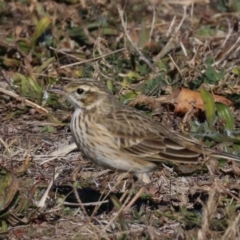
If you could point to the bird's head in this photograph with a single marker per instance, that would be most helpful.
(84, 93)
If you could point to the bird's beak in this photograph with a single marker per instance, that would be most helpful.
(58, 90)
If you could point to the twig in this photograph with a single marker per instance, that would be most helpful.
(228, 53)
(134, 199)
(28, 103)
(153, 23)
(124, 25)
(66, 53)
(5, 145)
(65, 150)
(209, 209)
(117, 214)
(86, 204)
(174, 63)
(61, 152)
(171, 44)
(233, 229)
(41, 203)
(92, 59)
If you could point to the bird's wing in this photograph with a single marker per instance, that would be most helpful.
(140, 136)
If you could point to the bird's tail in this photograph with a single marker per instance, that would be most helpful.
(195, 146)
(224, 155)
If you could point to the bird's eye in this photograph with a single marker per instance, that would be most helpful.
(80, 91)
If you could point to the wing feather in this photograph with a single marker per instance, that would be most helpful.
(141, 137)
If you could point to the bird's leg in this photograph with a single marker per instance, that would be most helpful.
(143, 177)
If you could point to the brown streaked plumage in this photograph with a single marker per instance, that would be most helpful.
(119, 137)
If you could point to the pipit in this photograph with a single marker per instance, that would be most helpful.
(122, 138)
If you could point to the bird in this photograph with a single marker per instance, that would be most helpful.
(119, 137)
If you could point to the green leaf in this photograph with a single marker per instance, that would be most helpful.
(29, 87)
(41, 27)
(236, 71)
(132, 77)
(8, 189)
(10, 62)
(209, 106)
(224, 112)
(143, 69)
(143, 36)
(78, 72)
(206, 31)
(236, 5)
(109, 31)
(128, 97)
(110, 85)
(161, 64)
(212, 76)
(44, 65)
(48, 129)
(24, 45)
(117, 204)
(209, 61)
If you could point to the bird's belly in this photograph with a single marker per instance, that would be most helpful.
(115, 160)
(109, 156)
(94, 143)
(98, 151)
(103, 149)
